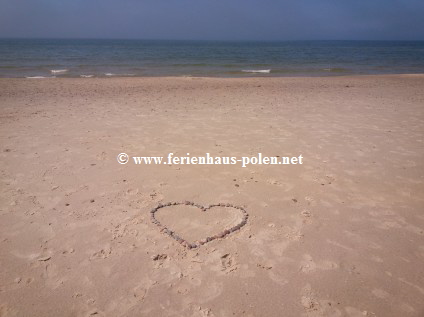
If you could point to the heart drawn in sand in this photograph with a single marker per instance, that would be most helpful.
(191, 245)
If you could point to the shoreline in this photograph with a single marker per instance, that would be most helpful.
(219, 77)
(222, 77)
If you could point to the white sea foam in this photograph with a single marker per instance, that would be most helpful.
(123, 75)
(86, 76)
(58, 71)
(256, 71)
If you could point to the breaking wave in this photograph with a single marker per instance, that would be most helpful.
(266, 71)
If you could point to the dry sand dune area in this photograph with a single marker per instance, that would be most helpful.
(341, 234)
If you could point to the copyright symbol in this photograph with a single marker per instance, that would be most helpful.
(123, 158)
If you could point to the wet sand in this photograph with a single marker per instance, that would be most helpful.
(340, 235)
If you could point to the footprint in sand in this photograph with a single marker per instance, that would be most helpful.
(102, 254)
(265, 266)
(307, 265)
(306, 217)
(380, 293)
(139, 293)
(326, 180)
(159, 260)
(294, 235)
(309, 302)
(202, 312)
(228, 263)
(51, 276)
(314, 307)
(102, 156)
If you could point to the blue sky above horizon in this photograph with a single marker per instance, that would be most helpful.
(214, 19)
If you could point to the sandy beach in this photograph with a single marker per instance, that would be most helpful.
(341, 234)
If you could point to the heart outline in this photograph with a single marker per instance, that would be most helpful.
(197, 244)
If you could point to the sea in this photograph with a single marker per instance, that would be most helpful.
(44, 58)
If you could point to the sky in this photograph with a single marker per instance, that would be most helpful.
(266, 20)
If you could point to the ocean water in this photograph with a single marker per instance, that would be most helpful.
(106, 58)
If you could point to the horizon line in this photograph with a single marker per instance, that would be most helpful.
(207, 40)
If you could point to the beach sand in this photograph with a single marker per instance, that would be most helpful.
(340, 235)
